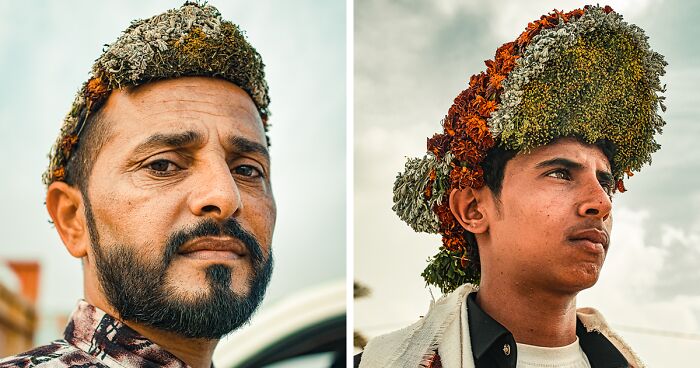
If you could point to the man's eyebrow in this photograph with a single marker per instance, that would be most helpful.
(244, 145)
(605, 175)
(573, 165)
(173, 140)
(562, 162)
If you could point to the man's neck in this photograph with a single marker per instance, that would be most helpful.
(534, 317)
(196, 353)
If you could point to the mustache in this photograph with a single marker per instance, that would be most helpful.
(209, 227)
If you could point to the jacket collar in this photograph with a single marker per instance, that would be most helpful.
(92, 330)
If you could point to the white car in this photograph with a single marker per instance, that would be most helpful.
(306, 329)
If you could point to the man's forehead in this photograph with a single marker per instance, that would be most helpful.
(181, 105)
(205, 90)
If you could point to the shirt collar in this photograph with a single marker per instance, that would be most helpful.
(101, 335)
(484, 331)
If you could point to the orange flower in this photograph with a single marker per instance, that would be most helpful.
(547, 21)
(428, 191)
(429, 187)
(484, 107)
(59, 174)
(462, 177)
(494, 85)
(477, 80)
(481, 135)
(465, 150)
(96, 88)
(67, 144)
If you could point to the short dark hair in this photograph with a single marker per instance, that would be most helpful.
(92, 138)
(494, 166)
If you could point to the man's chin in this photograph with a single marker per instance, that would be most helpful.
(210, 311)
(580, 280)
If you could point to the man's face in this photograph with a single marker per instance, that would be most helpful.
(551, 227)
(180, 208)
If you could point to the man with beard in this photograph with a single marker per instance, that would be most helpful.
(520, 184)
(160, 183)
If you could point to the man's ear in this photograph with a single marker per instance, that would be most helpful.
(465, 208)
(65, 206)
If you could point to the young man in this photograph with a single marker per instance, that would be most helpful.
(520, 184)
(159, 183)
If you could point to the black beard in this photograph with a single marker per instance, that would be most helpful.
(137, 291)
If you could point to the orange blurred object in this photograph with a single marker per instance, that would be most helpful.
(28, 273)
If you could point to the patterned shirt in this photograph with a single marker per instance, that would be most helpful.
(94, 339)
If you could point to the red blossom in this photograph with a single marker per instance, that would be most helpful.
(620, 185)
(439, 144)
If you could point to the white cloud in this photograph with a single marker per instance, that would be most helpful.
(633, 289)
(510, 20)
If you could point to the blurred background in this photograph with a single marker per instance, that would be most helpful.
(46, 51)
(413, 57)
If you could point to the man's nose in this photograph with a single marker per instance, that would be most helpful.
(596, 201)
(215, 192)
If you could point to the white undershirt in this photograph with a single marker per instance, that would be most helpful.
(570, 356)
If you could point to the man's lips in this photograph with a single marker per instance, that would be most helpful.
(214, 248)
(592, 239)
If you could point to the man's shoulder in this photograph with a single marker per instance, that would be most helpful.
(58, 354)
(412, 345)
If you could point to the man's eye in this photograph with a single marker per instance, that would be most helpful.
(247, 170)
(609, 188)
(560, 174)
(162, 166)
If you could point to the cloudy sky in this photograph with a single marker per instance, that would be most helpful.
(413, 57)
(46, 51)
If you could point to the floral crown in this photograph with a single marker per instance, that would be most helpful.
(585, 73)
(190, 41)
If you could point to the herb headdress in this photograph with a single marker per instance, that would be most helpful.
(190, 41)
(585, 73)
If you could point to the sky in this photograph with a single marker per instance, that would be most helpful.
(46, 51)
(413, 57)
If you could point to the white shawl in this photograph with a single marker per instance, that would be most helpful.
(445, 328)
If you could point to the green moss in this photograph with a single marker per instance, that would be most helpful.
(595, 90)
(446, 272)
